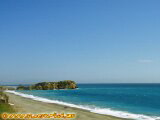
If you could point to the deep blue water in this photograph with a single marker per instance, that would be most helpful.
(133, 98)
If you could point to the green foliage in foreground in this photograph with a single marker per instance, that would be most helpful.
(4, 107)
(66, 84)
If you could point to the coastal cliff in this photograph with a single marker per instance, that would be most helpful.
(66, 84)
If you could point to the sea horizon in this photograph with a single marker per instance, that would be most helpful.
(77, 83)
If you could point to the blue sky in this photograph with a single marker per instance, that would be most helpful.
(89, 41)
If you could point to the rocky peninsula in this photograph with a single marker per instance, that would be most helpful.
(66, 84)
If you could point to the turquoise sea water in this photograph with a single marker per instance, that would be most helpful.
(128, 98)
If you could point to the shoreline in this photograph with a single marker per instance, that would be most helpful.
(100, 111)
(28, 105)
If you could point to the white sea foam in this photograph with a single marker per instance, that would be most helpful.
(105, 111)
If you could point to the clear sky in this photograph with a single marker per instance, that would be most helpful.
(89, 41)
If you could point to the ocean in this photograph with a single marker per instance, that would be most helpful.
(135, 101)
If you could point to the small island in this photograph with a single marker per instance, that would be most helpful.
(66, 84)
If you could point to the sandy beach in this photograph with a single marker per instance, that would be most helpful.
(27, 105)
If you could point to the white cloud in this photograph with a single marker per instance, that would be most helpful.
(145, 61)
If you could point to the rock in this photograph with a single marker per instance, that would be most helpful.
(66, 84)
(3, 98)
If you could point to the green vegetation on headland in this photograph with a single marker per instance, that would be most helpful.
(66, 84)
